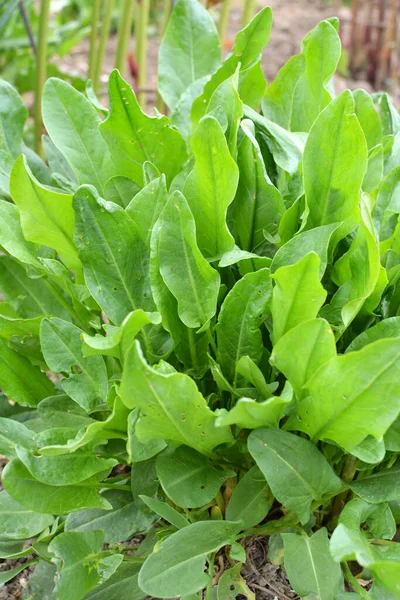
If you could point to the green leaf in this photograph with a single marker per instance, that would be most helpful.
(134, 138)
(258, 205)
(47, 217)
(146, 207)
(190, 49)
(64, 470)
(370, 122)
(12, 238)
(226, 106)
(310, 567)
(248, 44)
(232, 583)
(381, 486)
(9, 574)
(251, 499)
(188, 478)
(119, 524)
(82, 566)
(47, 499)
(334, 164)
(299, 92)
(103, 229)
(315, 240)
(62, 349)
(250, 414)
(192, 281)
(302, 350)
(172, 407)
(13, 115)
(388, 328)
(177, 568)
(249, 370)
(14, 434)
(298, 474)
(239, 321)
(30, 297)
(122, 585)
(120, 190)
(20, 380)
(40, 584)
(18, 522)
(165, 511)
(351, 384)
(73, 126)
(211, 186)
(297, 296)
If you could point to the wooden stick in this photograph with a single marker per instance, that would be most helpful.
(41, 71)
(124, 33)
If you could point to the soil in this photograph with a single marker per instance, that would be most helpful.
(292, 20)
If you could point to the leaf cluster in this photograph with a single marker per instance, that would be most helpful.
(200, 327)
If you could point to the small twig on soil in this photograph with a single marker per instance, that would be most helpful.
(256, 572)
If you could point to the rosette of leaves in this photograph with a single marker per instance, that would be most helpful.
(200, 331)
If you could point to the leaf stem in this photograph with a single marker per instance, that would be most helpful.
(348, 471)
(353, 582)
(141, 47)
(248, 12)
(93, 39)
(224, 18)
(124, 33)
(41, 71)
(104, 33)
(212, 341)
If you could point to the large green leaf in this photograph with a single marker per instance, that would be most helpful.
(310, 567)
(190, 49)
(47, 216)
(353, 384)
(250, 414)
(48, 499)
(12, 434)
(297, 296)
(122, 522)
(21, 381)
(188, 478)
(298, 474)
(302, 350)
(112, 254)
(211, 187)
(122, 585)
(134, 138)
(334, 164)
(381, 486)
(18, 522)
(172, 407)
(178, 565)
(242, 312)
(247, 47)
(186, 273)
(299, 92)
(13, 115)
(251, 499)
(73, 125)
(62, 349)
(82, 564)
(146, 207)
(11, 237)
(165, 511)
(258, 205)
(226, 106)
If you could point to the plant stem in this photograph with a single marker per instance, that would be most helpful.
(141, 47)
(212, 341)
(27, 25)
(167, 12)
(353, 582)
(248, 12)
(104, 33)
(41, 63)
(124, 33)
(93, 39)
(224, 18)
(347, 474)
